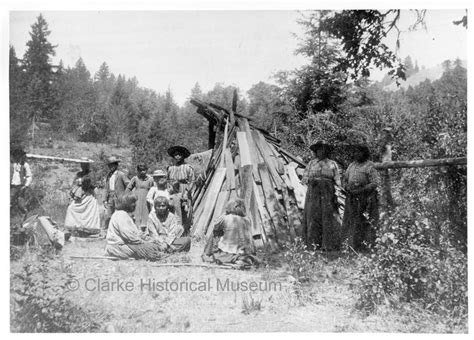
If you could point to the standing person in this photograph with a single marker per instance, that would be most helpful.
(115, 184)
(85, 169)
(159, 189)
(183, 174)
(21, 178)
(83, 212)
(140, 184)
(321, 226)
(124, 240)
(361, 207)
(163, 228)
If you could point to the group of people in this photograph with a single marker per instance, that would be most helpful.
(322, 226)
(149, 215)
(144, 216)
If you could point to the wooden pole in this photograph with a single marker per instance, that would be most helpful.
(58, 159)
(422, 163)
(212, 136)
(234, 108)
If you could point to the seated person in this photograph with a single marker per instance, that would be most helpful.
(231, 241)
(82, 214)
(124, 239)
(164, 229)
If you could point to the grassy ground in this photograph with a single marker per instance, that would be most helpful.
(326, 304)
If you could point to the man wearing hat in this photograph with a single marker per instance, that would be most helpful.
(20, 180)
(115, 184)
(182, 175)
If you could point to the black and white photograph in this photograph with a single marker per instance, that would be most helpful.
(224, 169)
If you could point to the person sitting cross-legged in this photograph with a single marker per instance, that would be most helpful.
(231, 242)
(163, 227)
(124, 239)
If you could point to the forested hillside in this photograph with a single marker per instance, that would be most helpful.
(422, 241)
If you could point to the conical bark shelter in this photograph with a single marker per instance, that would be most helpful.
(249, 164)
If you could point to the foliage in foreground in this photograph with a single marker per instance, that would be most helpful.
(39, 304)
(412, 262)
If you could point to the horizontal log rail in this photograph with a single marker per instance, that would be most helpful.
(57, 159)
(422, 163)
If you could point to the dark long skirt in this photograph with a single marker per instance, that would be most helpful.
(361, 217)
(320, 223)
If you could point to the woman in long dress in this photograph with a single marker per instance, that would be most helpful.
(321, 226)
(82, 214)
(139, 185)
(361, 211)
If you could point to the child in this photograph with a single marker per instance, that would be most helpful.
(160, 189)
(140, 185)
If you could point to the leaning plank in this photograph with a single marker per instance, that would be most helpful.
(230, 170)
(294, 158)
(298, 188)
(244, 125)
(269, 161)
(246, 187)
(245, 158)
(210, 201)
(293, 213)
(278, 159)
(274, 208)
(267, 227)
(286, 202)
(224, 143)
(203, 192)
(222, 199)
(422, 163)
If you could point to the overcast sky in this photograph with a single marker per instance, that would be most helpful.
(176, 49)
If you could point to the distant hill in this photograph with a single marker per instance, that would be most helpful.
(431, 73)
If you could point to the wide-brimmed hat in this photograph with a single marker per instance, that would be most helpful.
(113, 159)
(319, 144)
(159, 173)
(179, 149)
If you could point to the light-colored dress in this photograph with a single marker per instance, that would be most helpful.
(83, 212)
(153, 193)
(124, 240)
(168, 232)
(140, 188)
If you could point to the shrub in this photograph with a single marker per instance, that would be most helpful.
(39, 305)
(413, 262)
(249, 304)
(300, 260)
